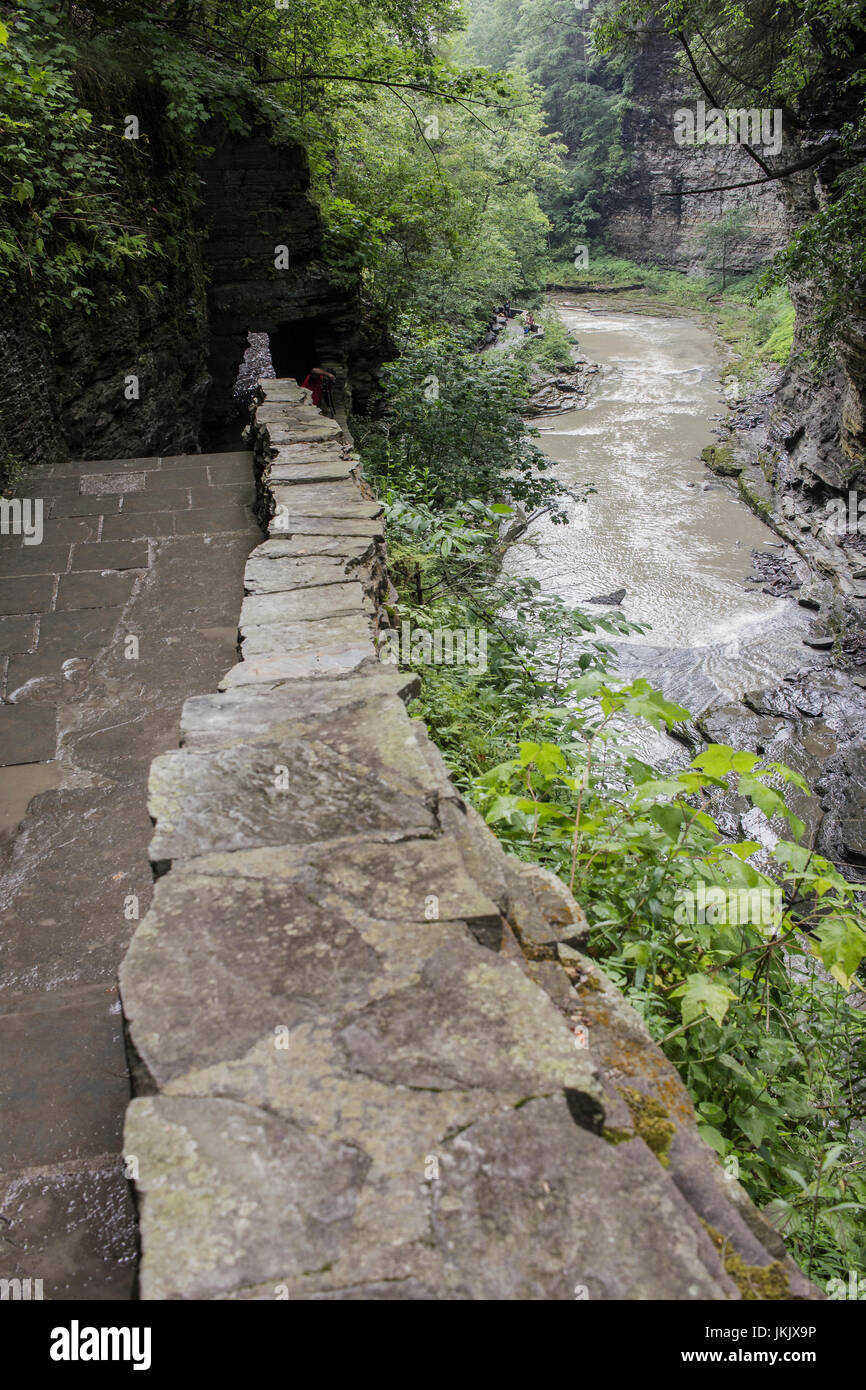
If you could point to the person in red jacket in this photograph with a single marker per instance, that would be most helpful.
(316, 380)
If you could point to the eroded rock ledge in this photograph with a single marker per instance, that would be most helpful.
(372, 1061)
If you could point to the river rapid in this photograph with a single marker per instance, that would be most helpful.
(659, 524)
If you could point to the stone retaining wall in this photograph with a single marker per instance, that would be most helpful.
(371, 1059)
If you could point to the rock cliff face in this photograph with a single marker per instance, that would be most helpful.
(66, 391)
(798, 450)
(808, 438)
(262, 249)
(641, 220)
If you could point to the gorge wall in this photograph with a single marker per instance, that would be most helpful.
(644, 217)
(798, 448)
(65, 373)
(371, 1059)
(178, 321)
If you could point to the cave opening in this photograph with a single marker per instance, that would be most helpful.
(295, 348)
(291, 349)
(223, 434)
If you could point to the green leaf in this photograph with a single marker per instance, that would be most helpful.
(715, 1140)
(669, 819)
(703, 995)
(841, 946)
(716, 760)
(754, 1125)
(638, 951)
(743, 849)
(768, 801)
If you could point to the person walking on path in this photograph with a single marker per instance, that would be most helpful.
(316, 381)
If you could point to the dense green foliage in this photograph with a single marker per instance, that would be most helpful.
(427, 171)
(435, 206)
(63, 199)
(584, 94)
(452, 428)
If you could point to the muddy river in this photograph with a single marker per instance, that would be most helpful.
(659, 524)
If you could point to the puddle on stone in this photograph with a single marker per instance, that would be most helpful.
(18, 786)
(227, 635)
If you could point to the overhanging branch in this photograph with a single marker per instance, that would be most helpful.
(826, 150)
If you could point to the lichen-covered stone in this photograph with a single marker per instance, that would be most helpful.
(324, 470)
(291, 708)
(337, 501)
(352, 549)
(287, 523)
(283, 390)
(264, 575)
(273, 935)
(241, 1196)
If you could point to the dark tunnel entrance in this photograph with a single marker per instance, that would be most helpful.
(296, 347)
(292, 349)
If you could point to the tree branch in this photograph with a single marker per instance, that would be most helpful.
(830, 148)
(418, 127)
(387, 82)
(681, 38)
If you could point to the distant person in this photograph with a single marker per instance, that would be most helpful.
(529, 324)
(316, 380)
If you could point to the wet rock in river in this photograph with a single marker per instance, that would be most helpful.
(556, 392)
(613, 599)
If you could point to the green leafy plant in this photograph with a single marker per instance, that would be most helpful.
(451, 425)
(740, 971)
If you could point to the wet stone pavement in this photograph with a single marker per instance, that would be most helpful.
(128, 606)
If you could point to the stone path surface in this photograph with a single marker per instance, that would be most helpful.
(128, 606)
(372, 1061)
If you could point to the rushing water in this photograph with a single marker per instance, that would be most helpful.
(659, 524)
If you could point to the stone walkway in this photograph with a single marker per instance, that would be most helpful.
(127, 606)
(373, 1062)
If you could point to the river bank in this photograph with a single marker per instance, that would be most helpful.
(747, 627)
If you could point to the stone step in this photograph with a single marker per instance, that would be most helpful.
(303, 605)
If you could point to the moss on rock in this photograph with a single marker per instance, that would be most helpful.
(651, 1120)
(755, 1282)
(720, 458)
